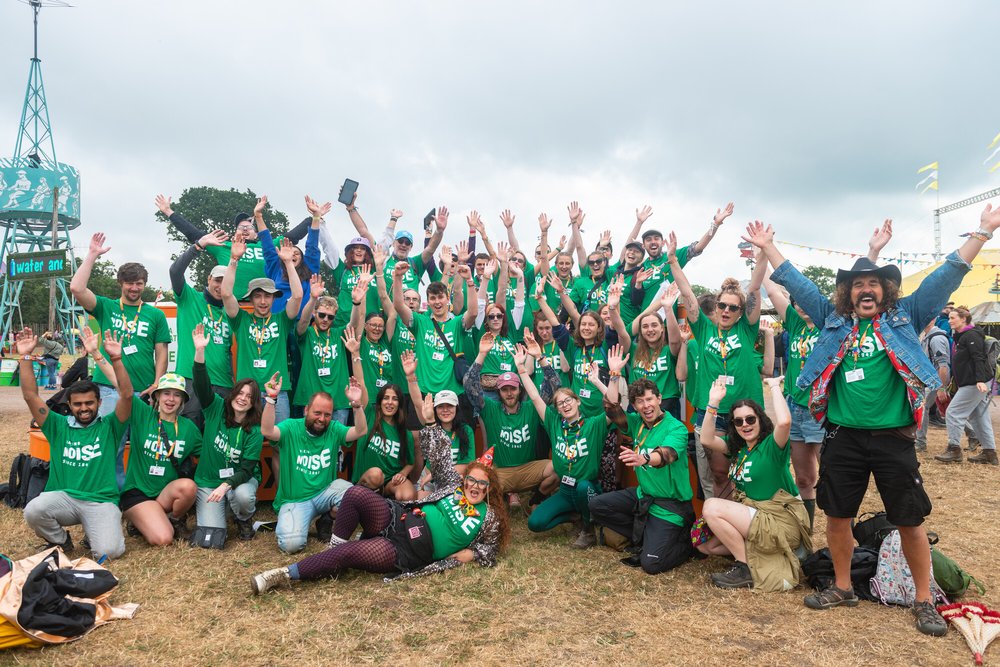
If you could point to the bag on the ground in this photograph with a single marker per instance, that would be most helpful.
(818, 570)
(893, 580)
(208, 537)
(871, 529)
(28, 476)
(952, 579)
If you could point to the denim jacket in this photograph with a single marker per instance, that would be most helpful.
(901, 326)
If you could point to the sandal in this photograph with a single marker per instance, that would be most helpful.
(831, 597)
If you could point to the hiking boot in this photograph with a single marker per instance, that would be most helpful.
(324, 527)
(937, 423)
(131, 530)
(66, 545)
(586, 538)
(951, 455)
(986, 456)
(831, 597)
(246, 528)
(632, 561)
(738, 576)
(265, 581)
(929, 621)
(179, 524)
(920, 446)
(972, 445)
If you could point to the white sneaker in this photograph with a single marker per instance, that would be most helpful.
(265, 581)
(335, 541)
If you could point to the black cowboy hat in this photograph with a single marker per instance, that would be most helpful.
(865, 265)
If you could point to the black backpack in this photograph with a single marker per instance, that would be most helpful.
(28, 476)
(818, 570)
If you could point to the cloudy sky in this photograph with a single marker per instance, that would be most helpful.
(811, 116)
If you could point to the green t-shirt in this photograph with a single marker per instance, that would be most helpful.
(552, 297)
(588, 295)
(82, 459)
(661, 273)
(435, 367)
(377, 364)
(514, 436)
(324, 367)
(412, 278)
(729, 354)
(250, 266)
(591, 399)
(402, 341)
(261, 346)
(451, 529)
(344, 299)
(867, 392)
(576, 448)
(661, 370)
(308, 463)
(192, 310)
(500, 358)
(140, 328)
(761, 471)
(456, 446)
(383, 451)
(672, 480)
(224, 449)
(551, 352)
(801, 340)
(149, 466)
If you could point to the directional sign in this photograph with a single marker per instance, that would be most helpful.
(43, 264)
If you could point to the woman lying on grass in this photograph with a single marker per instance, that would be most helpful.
(465, 520)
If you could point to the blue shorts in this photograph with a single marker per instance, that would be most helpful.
(721, 420)
(805, 428)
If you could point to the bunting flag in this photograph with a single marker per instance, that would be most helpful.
(995, 155)
(904, 258)
(930, 179)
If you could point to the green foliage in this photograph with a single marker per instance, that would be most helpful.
(210, 208)
(700, 290)
(824, 278)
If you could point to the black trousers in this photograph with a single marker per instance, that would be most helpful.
(664, 545)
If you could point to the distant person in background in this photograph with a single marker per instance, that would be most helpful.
(52, 349)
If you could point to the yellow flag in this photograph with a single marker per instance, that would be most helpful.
(932, 186)
(932, 165)
(996, 140)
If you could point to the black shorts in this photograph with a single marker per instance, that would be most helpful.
(848, 458)
(410, 535)
(131, 498)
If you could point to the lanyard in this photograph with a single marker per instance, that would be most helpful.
(326, 340)
(571, 428)
(734, 471)
(228, 451)
(859, 341)
(640, 440)
(803, 344)
(259, 338)
(160, 433)
(589, 358)
(378, 348)
(211, 315)
(135, 322)
(723, 351)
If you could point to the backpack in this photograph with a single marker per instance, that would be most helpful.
(871, 529)
(993, 355)
(952, 579)
(818, 570)
(28, 476)
(893, 580)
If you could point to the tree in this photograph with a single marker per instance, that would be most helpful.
(700, 290)
(825, 278)
(210, 208)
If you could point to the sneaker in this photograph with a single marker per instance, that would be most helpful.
(324, 527)
(586, 538)
(335, 541)
(929, 621)
(131, 530)
(920, 446)
(180, 526)
(737, 576)
(632, 561)
(265, 581)
(66, 545)
(246, 528)
(831, 597)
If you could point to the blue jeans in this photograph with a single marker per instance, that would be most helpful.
(242, 501)
(52, 366)
(341, 415)
(805, 428)
(294, 518)
(109, 398)
(282, 409)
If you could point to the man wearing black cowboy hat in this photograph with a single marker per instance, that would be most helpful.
(867, 377)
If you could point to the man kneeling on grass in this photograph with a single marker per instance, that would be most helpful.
(307, 483)
(82, 488)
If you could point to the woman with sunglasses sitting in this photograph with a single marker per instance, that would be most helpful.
(725, 350)
(465, 520)
(769, 522)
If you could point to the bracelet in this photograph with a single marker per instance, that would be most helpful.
(352, 210)
(986, 233)
(356, 303)
(355, 406)
(616, 374)
(646, 456)
(711, 407)
(356, 359)
(198, 246)
(272, 401)
(26, 357)
(393, 219)
(114, 359)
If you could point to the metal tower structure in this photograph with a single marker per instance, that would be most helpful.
(39, 205)
(968, 201)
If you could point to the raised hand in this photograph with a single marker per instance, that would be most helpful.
(272, 387)
(507, 218)
(239, 245)
(27, 341)
(514, 271)
(258, 209)
(605, 238)
(773, 383)
(490, 268)
(520, 355)
(354, 199)
(427, 409)
(615, 293)
(112, 343)
(351, 341)
(881, 236)
(759, 234)
(462, 250)
(617, 359)
(400, 270)
(199, 338)
(395, 213)
(353, 391)
(990, 218)
(575, 213)
(446, 253)
(316, 209)
(531, 345)
(475, 222)
(630, 457)
(408, 361)
(562, 242)
(540, 289)
(556, 284)
(670, 296)
(486, 342)
(215, 237)
(722, 213)
(642, 275)
(594, 372)
(97, 247)
(380, 256)
(90, 341)
(442, 218)
(316, 285)
(671, 246)
(464, 271)
(642, 215)
(544, 222)
(360, 289)
(286, 253)
(503, 251)
(717, 392)
(163, 203)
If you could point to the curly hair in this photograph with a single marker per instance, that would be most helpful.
(734, 441)
(842, 297)
(496, 500)
(732, 286)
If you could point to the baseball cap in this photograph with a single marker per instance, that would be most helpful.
(636, 245)
(218, 271)
(652, 232)
(403, 234)
(446, 397)
(508, 380)
(264, 284)
(240, 217)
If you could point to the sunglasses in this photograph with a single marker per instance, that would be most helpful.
(595, 262)
(731, 307)
(481, 483)
(324, 316)
(404, 241)
(495, 316)
(750, 420)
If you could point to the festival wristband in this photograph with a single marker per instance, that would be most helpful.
(114, 359)
(271, 399)
(711, 407)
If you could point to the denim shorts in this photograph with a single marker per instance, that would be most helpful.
(721, 420)
(805, 428)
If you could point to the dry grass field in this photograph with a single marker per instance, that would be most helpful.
(544, 604)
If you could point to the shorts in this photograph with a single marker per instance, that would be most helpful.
(805, 428)
(131, 498)
(849, 456)
(721, 420)
(411, 537)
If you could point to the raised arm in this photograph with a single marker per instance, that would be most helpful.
(720, 216)
(472, 311)
(78, 285)
(880, 238)
(576, 217)
(440, 224)
(92, 344)
(641, 216)
(190, 232)
(357, 220)
(201, 381)
(529, 385)
(268, 429)
(543, 242)
(503, 254)
(287, 255)
(507, 218)
(777, 296)
(316, 290)
(472, 382)
(272, 263)
(476, 222)
(113, 346)
(358, 398)
(709, 439)
(359, 298)
(767, 363)
(782, 417)
(239, 246)
(409, 363)
(667, 300)
(316, 211)
(614, 303)
(753, 290)
(690, 300)
(24, 346)
(403, 311)
(543, 305)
